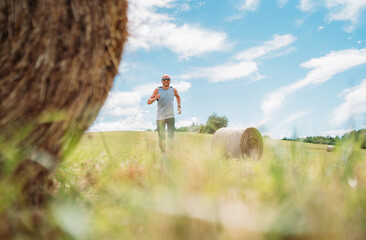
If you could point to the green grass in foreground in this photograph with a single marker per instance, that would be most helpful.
(117, 185)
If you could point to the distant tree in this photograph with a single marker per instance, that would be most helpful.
(213, 123)
(202, 128)
(321, 140)
(349, 135)
(288, 139)
(194, 128)
(358, 136)
(316, 140)
(181, 129)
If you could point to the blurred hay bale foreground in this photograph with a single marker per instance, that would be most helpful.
(238, 143)
(58, 60)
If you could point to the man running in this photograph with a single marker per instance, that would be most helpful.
(165, 114)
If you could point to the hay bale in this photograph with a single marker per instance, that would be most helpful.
(58, 60)
(330, 148)
(238, 143)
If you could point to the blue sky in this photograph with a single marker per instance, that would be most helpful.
(295, 67)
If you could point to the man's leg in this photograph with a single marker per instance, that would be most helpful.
(171, 123)
(161, 132)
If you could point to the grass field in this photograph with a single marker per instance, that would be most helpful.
(117, 185)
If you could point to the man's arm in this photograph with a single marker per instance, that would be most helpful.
(154, 96)
(178, 100)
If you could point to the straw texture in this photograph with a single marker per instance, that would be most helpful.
(238, 143)
(58, 60)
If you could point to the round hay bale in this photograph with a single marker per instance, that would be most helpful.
(238, 143)
(330, 148)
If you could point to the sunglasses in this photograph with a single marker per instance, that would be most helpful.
(165, 79)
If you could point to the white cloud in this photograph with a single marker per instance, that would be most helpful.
(295, 116)
(184, 7)
(149, 28)
(116, 99)
(338, 10)
(273, 101)
(320, 28)
(299, 22)
(282, 3)
(244, 64)
(119, 111)
(354, 104)
(250, 5)
(187, 122)
(306, 5)
(345, 10)
(125, 67)
(200, 4)
(154, 3)
(182, 86)
(349, 28)
(278, 42)
(135, 122)
(146, 89)
(277, 54)
(260, 123)
(225, 72)
(121, 104)
(324, 68)
(188, 5)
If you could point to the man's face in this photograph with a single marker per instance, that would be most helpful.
(165, 82)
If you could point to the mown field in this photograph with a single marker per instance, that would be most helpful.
(117, 185)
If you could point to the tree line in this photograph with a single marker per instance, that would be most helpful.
(357, 136)
(214, 122)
